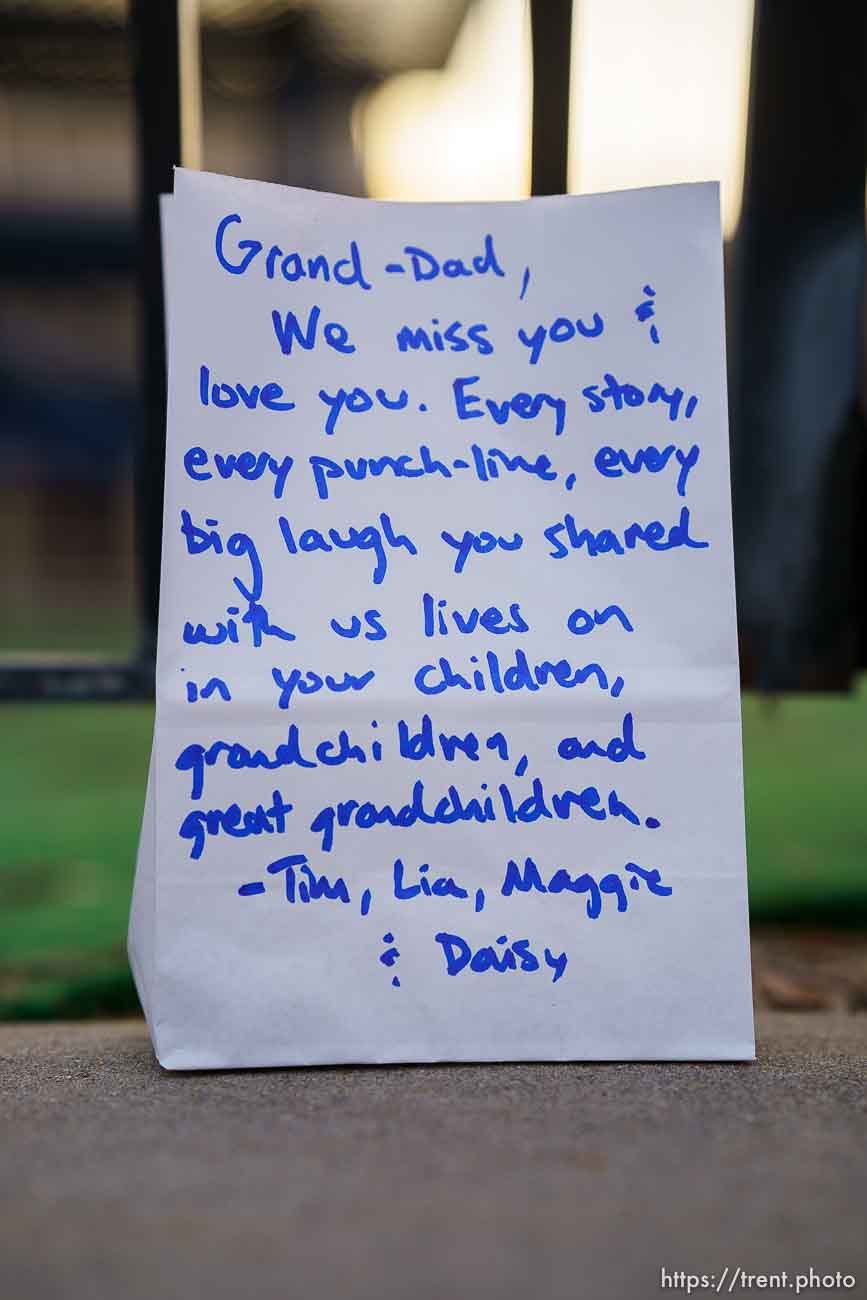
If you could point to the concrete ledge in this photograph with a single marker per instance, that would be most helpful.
(119, 1180)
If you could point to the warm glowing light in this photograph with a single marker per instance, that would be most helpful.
(659, 94)
(463, 133)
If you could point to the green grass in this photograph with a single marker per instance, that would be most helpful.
(111, 633)
(73, 780)
(805, 765)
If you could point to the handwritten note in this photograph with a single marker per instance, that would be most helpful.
(446, 762)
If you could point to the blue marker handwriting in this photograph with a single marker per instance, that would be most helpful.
(516, 956)
(562, 330)
(249, 465)
(528, 879)
(307, 682)
(479, 544)
(289, 330)
(358, 401)
(618, 749)
(255, 617)
(423, 742)
(520, 675)
(453, 806)
(423, 265)
(421, 433)
(201, 539)
(303, 885)
(646, 310)
(239, 823)
(618, 396)
(414, 740)
(439, 620)
(487, 464)
(581, 621)
(566, 536)
(368, 537)
(451, 338)
(524, 406)
(225, 396)
(237, 255)
(613, 462)
(351, 631)
(196, 758)
(424, 886)
(213, 686)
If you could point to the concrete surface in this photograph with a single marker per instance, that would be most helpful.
(118, 1180)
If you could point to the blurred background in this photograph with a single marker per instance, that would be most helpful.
(420, 100)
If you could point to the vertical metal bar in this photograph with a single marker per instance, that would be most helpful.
(154, 25)
(799, 258)
(551, 28)
(190, 53)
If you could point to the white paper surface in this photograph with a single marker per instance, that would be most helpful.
(588, 669)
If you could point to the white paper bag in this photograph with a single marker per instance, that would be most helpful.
(446, 763)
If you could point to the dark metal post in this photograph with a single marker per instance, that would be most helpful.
(158, 122)
(551, 26)
(798, 439)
